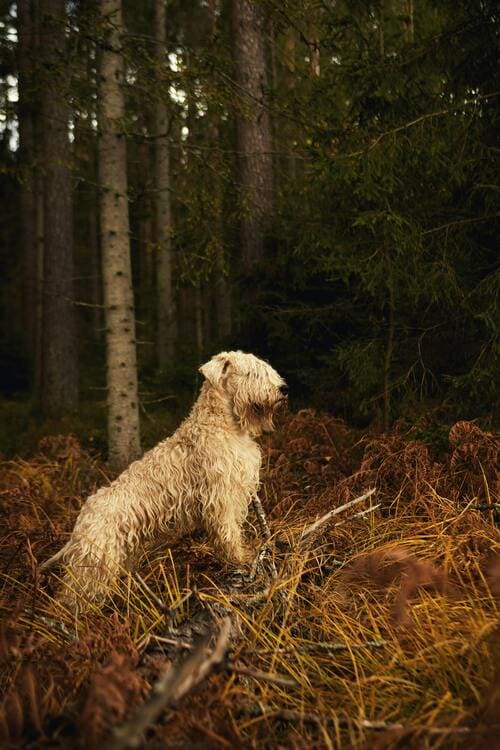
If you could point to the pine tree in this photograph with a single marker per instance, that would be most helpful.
(166, 316)
(59, 391)
(254, 163)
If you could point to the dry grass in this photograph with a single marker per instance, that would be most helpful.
(386, 617)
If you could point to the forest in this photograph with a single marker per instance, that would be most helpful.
(314, 182)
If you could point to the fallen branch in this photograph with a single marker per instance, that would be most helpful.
(332, 647)
(275, 679)
(313, 526)
(261, 517)
(324, 646)
(346, 721)
(266, 532)
(231, 668)
(177, 643)
(171, 687)
(286, 714)
(366, 511)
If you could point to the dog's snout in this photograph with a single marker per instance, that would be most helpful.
(284, 390)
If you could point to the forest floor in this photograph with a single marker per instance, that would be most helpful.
(377, 628)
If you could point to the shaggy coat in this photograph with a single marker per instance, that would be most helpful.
(202, 477)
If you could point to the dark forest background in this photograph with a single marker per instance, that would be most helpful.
(322, 178)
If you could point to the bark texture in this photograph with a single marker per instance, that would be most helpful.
(221, 287)
(255, 167)
(221, 290)
(165, 310)
(59, 392)
(27, 192)
(123, 412)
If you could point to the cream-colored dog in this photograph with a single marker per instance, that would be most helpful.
(202, 477)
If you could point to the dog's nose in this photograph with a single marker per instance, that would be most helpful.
(284, 390)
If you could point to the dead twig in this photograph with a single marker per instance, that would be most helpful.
(173, 609)
(56, 627)
(346, 721)
(150, 592)
(266, 532)
(176, 642)
(256, 674)
(324, 646)
(261, 517)
(331, 513)
(171, 687)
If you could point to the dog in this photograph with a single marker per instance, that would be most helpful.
(203, 477)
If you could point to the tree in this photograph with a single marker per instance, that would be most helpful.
(387, 257)
(27, 187)
(59, 392)
(123, 411)
(166, 321)
(255, 170)
(221, 288)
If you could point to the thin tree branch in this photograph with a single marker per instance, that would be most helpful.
(313, 526)
(256, 674)
(346, 721)
(171, 687)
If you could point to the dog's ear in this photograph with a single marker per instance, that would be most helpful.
(216, 368)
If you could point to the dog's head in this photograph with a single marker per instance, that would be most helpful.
(253, 388)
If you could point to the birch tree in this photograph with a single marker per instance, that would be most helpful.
(121, 365)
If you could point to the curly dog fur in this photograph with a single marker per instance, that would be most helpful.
(202, 477)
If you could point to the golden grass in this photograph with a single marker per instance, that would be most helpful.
(391, 617)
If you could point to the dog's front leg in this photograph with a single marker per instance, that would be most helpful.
(226, 534)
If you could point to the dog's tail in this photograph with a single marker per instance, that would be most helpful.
(52, 560)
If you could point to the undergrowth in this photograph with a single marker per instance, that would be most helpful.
(390, 616)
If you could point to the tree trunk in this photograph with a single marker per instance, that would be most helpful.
(409, 22)
(198, 317)
(38, 356)
(123, 412)
(314, 50)
(381, 34)
(59, 349)
(389, 348)
(27, 140)
(166, 323)
(289, 54)
(221, 291)
(255, 171)
(95, 270)
(220, 281)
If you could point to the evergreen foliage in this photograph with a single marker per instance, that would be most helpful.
(378, 294)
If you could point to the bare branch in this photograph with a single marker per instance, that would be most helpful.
(171, 687)
(347, 721)
(261, 516)
(313, 526)
(159, 603)
(275, 679)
